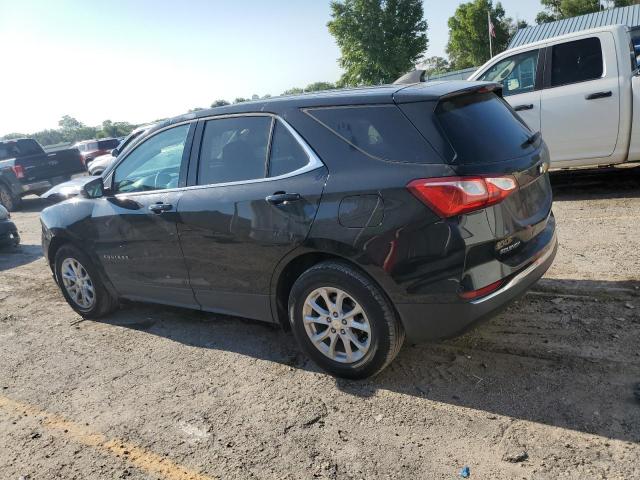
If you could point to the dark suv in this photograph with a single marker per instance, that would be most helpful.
(355, 217)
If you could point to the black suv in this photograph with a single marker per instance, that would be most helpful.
(355, 217)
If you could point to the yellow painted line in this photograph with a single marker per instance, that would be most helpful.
(137, 456)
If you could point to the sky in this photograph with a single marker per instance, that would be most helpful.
(140, 60)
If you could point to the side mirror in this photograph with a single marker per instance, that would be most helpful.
(115, 152)
(93, 189)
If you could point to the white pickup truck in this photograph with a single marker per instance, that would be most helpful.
(581, 90)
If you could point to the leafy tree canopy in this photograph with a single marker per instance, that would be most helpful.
(559, 9)
(72, 130)
(379, 40)
(469, 33)
(219, 103)
(434, 66)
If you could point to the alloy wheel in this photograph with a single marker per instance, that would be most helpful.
(78, 284)
(336, 324)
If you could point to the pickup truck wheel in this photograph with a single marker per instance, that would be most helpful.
(81, 284)
(344, 321)
(8, 200)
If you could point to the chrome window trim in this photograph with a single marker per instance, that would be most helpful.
(313, 163)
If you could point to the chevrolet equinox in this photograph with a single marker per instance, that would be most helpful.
(355, 217)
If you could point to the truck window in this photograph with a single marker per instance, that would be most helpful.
(19, 148)
(29, 147)
(577, 61)
(517, 73)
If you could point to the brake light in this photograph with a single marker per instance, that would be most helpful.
(451, 196)
(18, 171)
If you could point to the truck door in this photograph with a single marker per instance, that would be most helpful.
(580, 101)
(521, 78)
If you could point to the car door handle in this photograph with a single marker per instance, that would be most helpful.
(160, 207)
(279, 198)
(594, 96)
(524, 107)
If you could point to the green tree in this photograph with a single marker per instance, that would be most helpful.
(319, 86)
(434, 66)
(241, 100)
(13, 136)
(379, 40)
(69, 123)
(620, 3)
(469, 33)
(293, 91)
(219, 103)
(559, 9)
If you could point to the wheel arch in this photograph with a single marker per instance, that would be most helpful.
(290, 270)
(59, 241)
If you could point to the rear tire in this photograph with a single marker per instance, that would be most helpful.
(8, 200)
(81, 284)
(343, 321)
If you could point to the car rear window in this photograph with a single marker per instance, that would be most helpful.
(482, 128)
(380, 131)
(106, 144)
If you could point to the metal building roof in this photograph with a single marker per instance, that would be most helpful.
(629, 16)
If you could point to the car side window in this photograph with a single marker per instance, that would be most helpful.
(154, 164)
(287, 155)
(576, 61)
(234, 149)
(517, 73)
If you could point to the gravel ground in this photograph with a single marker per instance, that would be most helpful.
(545, 390)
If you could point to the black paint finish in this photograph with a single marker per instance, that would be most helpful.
(228, 248)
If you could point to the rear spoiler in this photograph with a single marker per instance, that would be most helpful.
(443, 90)
(486, 88)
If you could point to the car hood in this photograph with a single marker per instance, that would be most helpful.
(68, 189)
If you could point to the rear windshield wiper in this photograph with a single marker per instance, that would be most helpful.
(531, 140)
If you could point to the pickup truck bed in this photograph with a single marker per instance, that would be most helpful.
(25, 168)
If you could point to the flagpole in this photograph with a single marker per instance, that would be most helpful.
(489, 29)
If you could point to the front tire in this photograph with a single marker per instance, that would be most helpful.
(81, 284)
(343, 321)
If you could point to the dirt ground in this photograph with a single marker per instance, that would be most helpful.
(545, 390)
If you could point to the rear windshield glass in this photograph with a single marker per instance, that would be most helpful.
(482, 128)
(105, 144)
(380, 131)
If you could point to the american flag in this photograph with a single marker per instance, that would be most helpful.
(492, 29)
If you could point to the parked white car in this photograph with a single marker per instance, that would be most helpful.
(581, 90)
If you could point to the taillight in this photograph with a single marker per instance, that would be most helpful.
(18, 171)
(451, 196)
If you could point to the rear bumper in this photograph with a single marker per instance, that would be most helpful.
(434, 321)
(8, 233)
